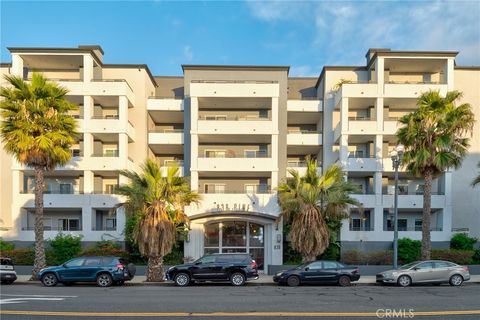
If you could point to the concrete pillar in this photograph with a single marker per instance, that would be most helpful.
(121, 220)
(449, 76)
(275, 160)
(87, 144)
(88, 181)
(380, 74)
(123, 110)
(17, 187)
(378, 150)
(379, 113)
(344, 114)
(87, 109)
(87, 68)
(122, 145)
(344, 150)
(194, 114)
(377, 187)
(275, 114)
(17, 65)
(87, 217)
(378, 219)
(194, 180)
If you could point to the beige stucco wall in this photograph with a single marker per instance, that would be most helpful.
(466, 200)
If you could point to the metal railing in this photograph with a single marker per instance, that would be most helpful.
(46, 228)
(173, 163)
(57, 192)
(299, 163)
(352, 228)
(234, 81)
(295, 131)
(410, 193)
(106, 155)
(355, 155)
(166, 97)
(360, 118)
(230, 154)
(232, 118)
(259, 189)
(107, 117)
(412, 82)
(166, 131)
(412, 229)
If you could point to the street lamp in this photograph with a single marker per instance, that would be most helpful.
(396, 156)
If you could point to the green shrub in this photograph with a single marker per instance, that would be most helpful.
(476, 257)
(409, 250)
(331, 253)
(461, 241)
(64, 247)
(6, 245)
(105, 248)
(353, 257)
(175, 256)
(457, 256)
(379, 257)
(21, 256)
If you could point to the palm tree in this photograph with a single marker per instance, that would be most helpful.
(477, 179)
(38, 131)
(435, 139)
(158, 202)
(310, 201)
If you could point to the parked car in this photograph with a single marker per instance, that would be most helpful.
(234, 267)
(430, 271)
(7, 271)
(105, 271)
(318, 272)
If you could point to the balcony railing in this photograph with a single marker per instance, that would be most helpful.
(107, 117)
(52, 192)
(360, 118)
(411, 229)
(233, 118)
(227, 154)
(173, 163)
(360, 155)
(295, 131)
(48, 228)
(166, 97)
(113, 153)
(233, 81)
(412, 82)
(410, 193)
(295, 163)
(166, 131)
(352, 228)
(260, 189)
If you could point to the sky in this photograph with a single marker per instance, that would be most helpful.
(305, 35)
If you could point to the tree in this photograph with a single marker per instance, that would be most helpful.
(435, 139)
(158, 202)
(38, 131)
(477, 179)
(309, 202)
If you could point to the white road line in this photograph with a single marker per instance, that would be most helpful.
(21, 300)
(37, 295)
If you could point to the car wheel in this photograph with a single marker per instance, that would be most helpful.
(182, 279)
(344, 281)
(7, 282)
(49, 280)
(104, 280)
(293, 281)
(456, 280)
(237, 279)
(404, 281)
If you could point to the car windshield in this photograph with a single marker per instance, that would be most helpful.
(408, 265)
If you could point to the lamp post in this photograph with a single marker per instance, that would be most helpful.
(396, 156)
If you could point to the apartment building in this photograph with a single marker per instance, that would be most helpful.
(234, 130)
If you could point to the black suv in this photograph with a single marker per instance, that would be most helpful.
(234, 267)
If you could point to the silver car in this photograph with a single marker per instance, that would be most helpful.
(430, 271)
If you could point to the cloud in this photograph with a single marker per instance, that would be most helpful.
(187, 53)
(344, 30)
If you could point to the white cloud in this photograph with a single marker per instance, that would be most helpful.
(187, 53)
(344, 30)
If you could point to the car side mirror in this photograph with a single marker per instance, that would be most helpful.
(64, 265)
(307, 268)
(416, 268)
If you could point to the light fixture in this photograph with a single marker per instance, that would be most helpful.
(279, 238)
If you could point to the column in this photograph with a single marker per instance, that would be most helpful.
(344, 114)
(88, 181)
(449, 76)
(123, 110)
(17, 65)
(17, 187)
(122, 145)
(379, 151)
(275, 164)
(87, 109)
(380, 74)
(377, 180)
(275, 114)
(87, 217)
(193, 160)
(344, 150)
(194, 114)
(87, 68)
(87, 144)
(379, 113)
(120, 219)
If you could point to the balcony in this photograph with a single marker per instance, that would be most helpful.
(166, 136)
(356, 90)
(361, 126)
(107, 125)
(173, 163)
(235, 164)
(412, 201)
(236, 202)
(257, 126)
(76, 200)
(301, 167)
(304, 105)
(103, 87)
(251, 189)
(164, 104)
(411, 90)
(306, 138)
(234, 89)
(362, 164)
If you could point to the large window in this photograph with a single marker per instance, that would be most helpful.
(236, 237)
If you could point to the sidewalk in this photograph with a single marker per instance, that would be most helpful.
(263, 280)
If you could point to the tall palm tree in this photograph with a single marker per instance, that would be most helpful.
(38, 131)
(435, 139)
(477, 179)
(310, 201)
(158, 201)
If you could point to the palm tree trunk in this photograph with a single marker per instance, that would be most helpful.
(155, 269)
(39, 262)
(427, 203)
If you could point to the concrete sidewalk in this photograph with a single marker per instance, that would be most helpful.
(263, 280)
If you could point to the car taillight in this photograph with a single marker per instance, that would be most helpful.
(120, 266)
(465, 268)
(357, 270)
(253, 264)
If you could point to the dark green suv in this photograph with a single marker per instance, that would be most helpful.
(105, 271)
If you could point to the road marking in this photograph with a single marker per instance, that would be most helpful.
(37, 295)
(227, 314)
(21, 300)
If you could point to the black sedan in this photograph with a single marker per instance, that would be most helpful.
(318, 272)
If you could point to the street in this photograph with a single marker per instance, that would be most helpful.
(218, 301)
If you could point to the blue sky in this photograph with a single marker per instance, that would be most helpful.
(305, 35)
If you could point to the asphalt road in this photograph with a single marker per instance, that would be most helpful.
(214, 301)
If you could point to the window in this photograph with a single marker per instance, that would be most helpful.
(69, 224)
(402, 224)
(420, 188)
(425, 266)
(93, 261)
(214, 188)
(207, 259)
(330, 265)
(355, 224)
(215, 153)
(111, 224)
(443, 264)
(250, 153)
(75, 152)
(356, 154)
(109, 188)
(403, 189)
(317, 265)
(251, 188)
(110, 153)
(75, 263)
(418, 224)
(65, 188)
